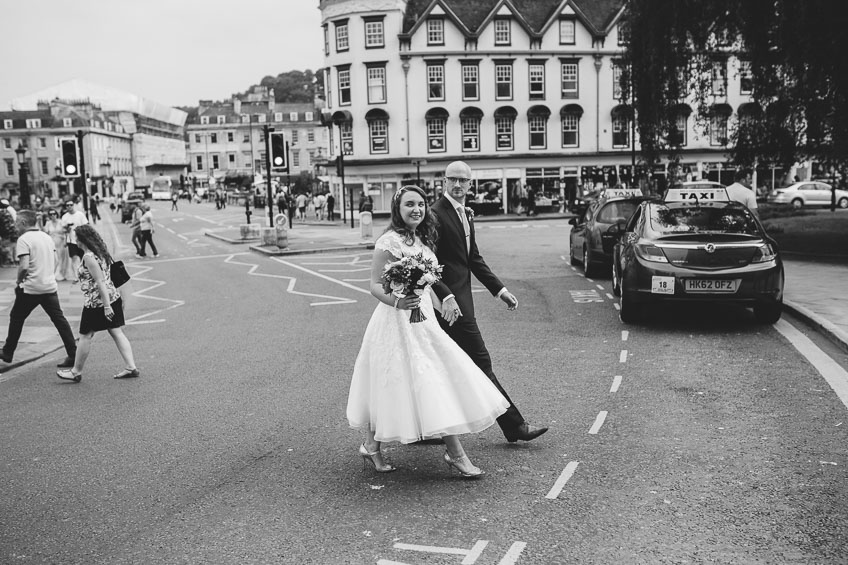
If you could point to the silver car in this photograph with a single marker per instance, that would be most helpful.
(808, 193)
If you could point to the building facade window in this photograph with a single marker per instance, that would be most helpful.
(570, 130)
(36, 123)
(624, 33)
(538, 127)
(620, 131)
(436, 135)
(678, 133)
(374, 33)
(567, 29)
(435, 81)
(569, 85)
(470, 81)
(295, 159)
(470, 134)
(10, 167)
(504, 133)
(213, 137)
(198, 159)
(246, 138)
(42, 166)
(503, 81)
(718, 129)
(204, 120)
(719, 78)
(746, 78)
(294, 136)
(42, 142)
(230, 137)
(221, 119)
(215, 164)
(346, 138)
(342, 40)
(66, 123)
(231, 160)
(344, 85)
(310, 136)
(308, 116)
(378, 131)
(376, 84)
(503, 34)
(7, 124)
(326, 40)
(537, 81)
(435, 31)
(7, 143)
(617, 91)
(278, 116)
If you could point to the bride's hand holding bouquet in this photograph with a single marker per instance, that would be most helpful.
(408, 276)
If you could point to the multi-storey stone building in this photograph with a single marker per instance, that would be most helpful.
(228, 138)
(526, 91)
(128, 140)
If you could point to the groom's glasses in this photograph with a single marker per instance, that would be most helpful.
(457, 180)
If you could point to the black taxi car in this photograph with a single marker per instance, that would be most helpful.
(697, 245)
(597, 229)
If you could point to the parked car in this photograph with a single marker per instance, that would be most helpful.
(128, 204)
(809, 193)
(596, 230)
(697, 247)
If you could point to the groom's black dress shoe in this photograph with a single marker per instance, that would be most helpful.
(525, 432)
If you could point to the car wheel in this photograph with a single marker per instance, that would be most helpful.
(571, 256)
(768, 312)
(588, 268)
(797, 203)
(629, 311)
(616, 283)
(843, 203)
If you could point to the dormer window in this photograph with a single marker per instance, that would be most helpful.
(567, 31)
(435, 31)
(204, 120)
(7, 124)
(503, 35)
(222, 119)
(293, 116)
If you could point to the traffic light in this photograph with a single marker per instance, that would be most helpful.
(278, 151)
(340, 166)
(70, 158)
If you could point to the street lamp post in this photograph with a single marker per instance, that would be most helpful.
(418, 163)
(23, 170)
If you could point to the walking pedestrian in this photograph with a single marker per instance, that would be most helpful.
(93, 213)
(71, 219)
(174, 198)
(102, 308)
(319, 202)
(53, 227)
(331, 207)
(301, 206)
(458, 254)
(135, 230)
(282, 203)
(411, 382)
(147, 231)
(36, 286)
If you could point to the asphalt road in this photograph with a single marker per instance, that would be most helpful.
(695, 437)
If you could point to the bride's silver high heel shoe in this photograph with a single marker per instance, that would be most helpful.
(464, 465)
(375, 459)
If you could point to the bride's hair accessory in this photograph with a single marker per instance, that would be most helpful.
(399, 192)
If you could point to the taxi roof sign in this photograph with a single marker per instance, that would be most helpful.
(696, 195)
(622, 192)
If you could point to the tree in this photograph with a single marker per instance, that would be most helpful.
(798, 74)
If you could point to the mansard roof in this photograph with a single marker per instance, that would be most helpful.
(472, 15)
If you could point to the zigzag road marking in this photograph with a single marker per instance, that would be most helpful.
(290, 288)
(143, 294)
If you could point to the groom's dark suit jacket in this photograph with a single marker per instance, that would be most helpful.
(458, 264)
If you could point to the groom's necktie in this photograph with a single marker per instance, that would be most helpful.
(465, 227)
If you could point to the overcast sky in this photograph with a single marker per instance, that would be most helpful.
(175, 52)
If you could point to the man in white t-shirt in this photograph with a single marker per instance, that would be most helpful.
(36, 286)
(740, 191)
(71, 219)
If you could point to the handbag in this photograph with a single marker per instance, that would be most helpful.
(118, 273)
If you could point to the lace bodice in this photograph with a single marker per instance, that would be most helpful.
(396, 244)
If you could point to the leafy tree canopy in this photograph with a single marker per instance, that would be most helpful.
(798, 73)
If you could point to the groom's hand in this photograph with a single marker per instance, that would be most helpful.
(510, 299)
(451, 311)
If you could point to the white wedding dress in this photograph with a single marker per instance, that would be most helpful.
(411, 381)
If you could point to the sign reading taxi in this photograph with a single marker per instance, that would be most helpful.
(622, 192)
(696, 195)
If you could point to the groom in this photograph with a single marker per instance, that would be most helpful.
(457, 253)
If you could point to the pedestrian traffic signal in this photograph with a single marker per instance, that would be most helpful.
(70, 158)
(278, 151)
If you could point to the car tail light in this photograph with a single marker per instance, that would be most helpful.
(650, 252)
(763, 253)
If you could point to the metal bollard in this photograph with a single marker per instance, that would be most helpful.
(366, 226)
(281, 225)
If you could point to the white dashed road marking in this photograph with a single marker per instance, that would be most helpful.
(622, 358)
(616, 382)
(563, 478)
(599, 421)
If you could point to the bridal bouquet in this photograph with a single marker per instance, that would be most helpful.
(411, 275)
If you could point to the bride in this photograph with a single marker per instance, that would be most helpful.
(411, 381)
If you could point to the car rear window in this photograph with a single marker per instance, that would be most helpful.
(618, 211)
(702, 219)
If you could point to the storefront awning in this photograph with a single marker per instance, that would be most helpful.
(506, 112)
(622, 110)
(720, 110)
(341, 116)
(539, 110)
(683, 110)
(377, 114)
(437, 113)
(571, 109)
(749, 109)
(471, 112)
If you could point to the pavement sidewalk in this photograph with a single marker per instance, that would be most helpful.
(814, 291)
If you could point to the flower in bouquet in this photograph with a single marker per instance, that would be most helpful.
(411, 275)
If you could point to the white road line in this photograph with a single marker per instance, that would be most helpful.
(590, 280)
(563, 478)
(622, 357)
(616, 382)
(599, 421)
(600, 287)
(610, 296)
(387, 562)
(617, 306)
(292, 282)
(317, 274)
(835, 375)
(513, 554)
(624, 335)
(431, 549)
(475, 552)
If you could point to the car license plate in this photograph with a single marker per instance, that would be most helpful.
(662, 285)
(711, 286)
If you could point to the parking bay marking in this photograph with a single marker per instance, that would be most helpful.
(470, 556)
